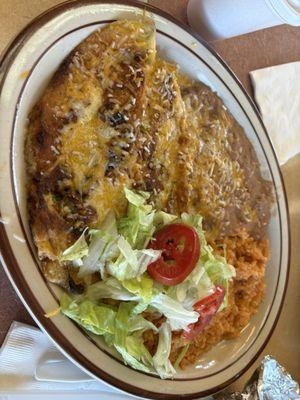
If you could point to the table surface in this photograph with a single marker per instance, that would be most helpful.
(245, 53)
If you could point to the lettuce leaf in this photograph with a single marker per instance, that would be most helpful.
(146, 257)
(140, 324)
(137, 227)
(111, 288)
(131, 263)
(139, 308)
(136, 348)
(128, 290)
(98, 319)
(131, 360)
(127, 252)
(142, 287)
(90, 258)
(218, 270)
(97, 245)
(101, 245)
(194, 288)
(161, 361)
(78, 249)
(119, 328)
(136, 198)
(177, 316)
(220, 273)
(181, 355)
(162, 218)
(131, 348)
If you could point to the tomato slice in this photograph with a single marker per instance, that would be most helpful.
(206, 308)
(181, 251)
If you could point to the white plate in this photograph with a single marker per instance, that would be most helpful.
(27, 67)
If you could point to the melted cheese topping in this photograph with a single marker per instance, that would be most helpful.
(117, 116)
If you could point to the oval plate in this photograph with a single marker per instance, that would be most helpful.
(26, 68)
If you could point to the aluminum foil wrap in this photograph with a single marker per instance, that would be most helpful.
(269, 382)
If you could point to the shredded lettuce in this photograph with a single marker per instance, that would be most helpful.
(162, 218)
(98, 319)
(118, 327)
(131, 360)
(118, 250)
(136, 198)
(194, 288)
(111, 252)
(137, 227)
(90, 262)
(78, 250)
(101, 245)
(132, 350)
(181, 355)
(177, 316)
(143, 287)
(139, 308)
(140, 291)
(218, 270)
(136, 348)
(161, 361)
(146, 257)
(131, 263)
(140, 324)
(111, 288)
(121, 324)
(220, 273)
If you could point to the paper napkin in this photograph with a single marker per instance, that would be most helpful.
(277, 94)
(24, 348)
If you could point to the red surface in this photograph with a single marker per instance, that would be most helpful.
(206, 308)
(181, 250)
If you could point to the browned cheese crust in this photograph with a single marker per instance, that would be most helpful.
(80, 131)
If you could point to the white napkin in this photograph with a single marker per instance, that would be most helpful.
(26, 347)
(277, 94)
